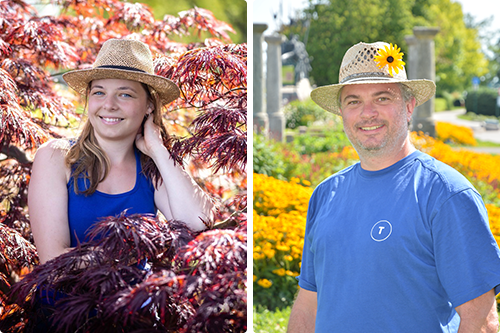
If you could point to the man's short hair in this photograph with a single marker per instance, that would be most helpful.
(406, 92)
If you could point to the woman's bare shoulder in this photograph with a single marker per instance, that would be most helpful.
(62, 145)
(53, 152)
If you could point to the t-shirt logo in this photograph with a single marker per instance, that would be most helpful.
(381, 231)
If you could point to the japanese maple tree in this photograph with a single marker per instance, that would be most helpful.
(197, 281)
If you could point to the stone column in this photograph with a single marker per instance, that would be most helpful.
(260, 119)
(424, 67)
(411, 59)
(273, 87)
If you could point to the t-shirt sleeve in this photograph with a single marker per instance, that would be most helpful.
(467, 256)
(307, 278)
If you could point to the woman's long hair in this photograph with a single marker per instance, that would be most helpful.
(88, 161)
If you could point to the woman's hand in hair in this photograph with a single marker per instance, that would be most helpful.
(151, 142)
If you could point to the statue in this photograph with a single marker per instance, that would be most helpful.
(293, 52)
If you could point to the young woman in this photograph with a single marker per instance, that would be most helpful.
(118, 162)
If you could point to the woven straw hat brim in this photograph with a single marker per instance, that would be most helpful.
(79, 80)
(328, 96)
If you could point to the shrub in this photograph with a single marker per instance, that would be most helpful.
(195, 283)
(481, 101)
(318, 166)
(267, 159)
(449, 100)
(308, 157)
(325, 141)
(304, 113)
(439, 104)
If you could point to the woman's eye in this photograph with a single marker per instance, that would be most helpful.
(97, 93)
(126, 95)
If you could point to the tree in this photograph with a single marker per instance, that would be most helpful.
(458, 49)
(489, 39)
(495, 63)
(208, 127)
(336, 25)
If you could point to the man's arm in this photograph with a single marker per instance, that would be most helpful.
(479, 315)
(303, 315)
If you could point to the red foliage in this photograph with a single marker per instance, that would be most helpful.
(212, 112)
(194, 284)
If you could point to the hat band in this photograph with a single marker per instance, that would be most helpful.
(122, 67)
(364, 76)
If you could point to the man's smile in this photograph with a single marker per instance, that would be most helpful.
(371, 128)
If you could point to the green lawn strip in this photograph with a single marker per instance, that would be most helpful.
(265, 321)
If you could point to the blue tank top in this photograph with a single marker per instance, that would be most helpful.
(84, 211)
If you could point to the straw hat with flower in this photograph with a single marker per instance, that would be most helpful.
(124, 59)
(364, 63)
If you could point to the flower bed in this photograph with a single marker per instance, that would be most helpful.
(279, 220)
(280, 209)
(454, 134)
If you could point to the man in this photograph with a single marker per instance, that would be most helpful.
(400, 241)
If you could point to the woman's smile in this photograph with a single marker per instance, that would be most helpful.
(111, 120)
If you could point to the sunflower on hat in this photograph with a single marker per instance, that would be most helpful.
(390, 56)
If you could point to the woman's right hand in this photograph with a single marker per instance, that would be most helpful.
(151, 142)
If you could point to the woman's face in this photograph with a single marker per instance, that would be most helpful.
(117, 107)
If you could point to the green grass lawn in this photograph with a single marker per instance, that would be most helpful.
(441, 105)
(475, 117)
(265, 321)
(481, 143)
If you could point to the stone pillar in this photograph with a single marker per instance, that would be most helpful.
(273, 87)
(260, 119)
(411, 59)
(423, 66)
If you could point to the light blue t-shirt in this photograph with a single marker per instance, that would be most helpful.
(397, 250)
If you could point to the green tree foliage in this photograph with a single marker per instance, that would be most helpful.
(336, 25)
(458, 50)
(495, 63)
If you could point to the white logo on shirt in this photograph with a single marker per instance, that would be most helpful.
(381, 231)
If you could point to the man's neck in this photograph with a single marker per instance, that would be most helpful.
(374, 161)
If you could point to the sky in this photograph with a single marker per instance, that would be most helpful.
(263, 11)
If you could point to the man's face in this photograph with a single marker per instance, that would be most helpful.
(375, 117)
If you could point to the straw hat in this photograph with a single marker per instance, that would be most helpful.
(124, 59)
(360, 66)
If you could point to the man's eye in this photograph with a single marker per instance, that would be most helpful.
(352, 102)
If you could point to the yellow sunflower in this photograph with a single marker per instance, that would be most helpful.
(390, 56)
